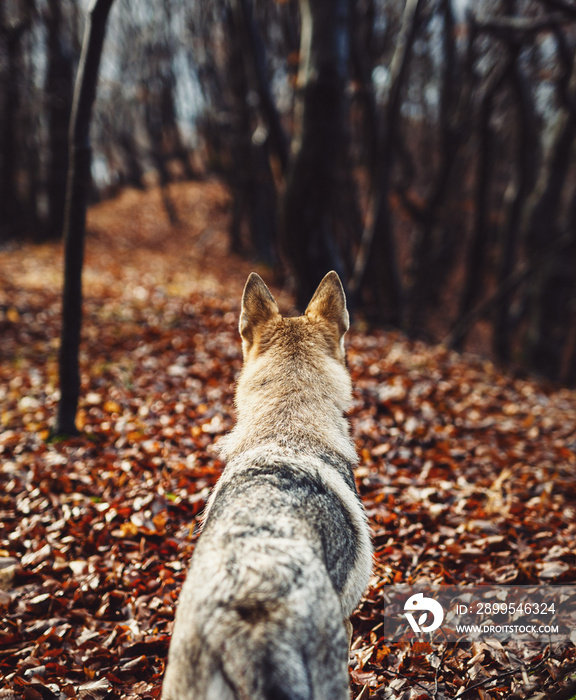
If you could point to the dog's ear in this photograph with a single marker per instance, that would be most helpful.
(258, 307)
(329, 303)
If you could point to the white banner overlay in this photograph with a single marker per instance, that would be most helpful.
(464, 614)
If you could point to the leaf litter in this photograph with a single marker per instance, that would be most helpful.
(468, 473)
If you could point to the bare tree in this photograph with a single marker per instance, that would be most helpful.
(12, 30)
(477, 251)
(307, 236)
(58, 94)
(376, 260)
(432, 236)
(75, 216)
(524, 179)
(551, 292)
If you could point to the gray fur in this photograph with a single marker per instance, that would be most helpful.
(285, 554)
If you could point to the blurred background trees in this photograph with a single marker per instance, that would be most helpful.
(424, 149)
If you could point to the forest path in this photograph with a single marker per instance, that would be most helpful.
(468, 474)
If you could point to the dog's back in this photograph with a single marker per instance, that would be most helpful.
(262, 619)
(284, 554)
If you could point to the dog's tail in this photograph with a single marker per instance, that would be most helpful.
(286, 656)
(269, 627)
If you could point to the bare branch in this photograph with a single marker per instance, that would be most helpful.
(505, 27)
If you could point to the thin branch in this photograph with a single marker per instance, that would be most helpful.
(505, 27)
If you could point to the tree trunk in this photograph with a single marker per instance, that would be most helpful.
(169, 118)
(376, 260)
(427, 272)
(155, 126)
(362, 23)
(525, 170)
(78, 187)
(133, 174)
(59, 88)
(474, 268)
(251, 177)
(10, 208)
(567, 364)
(255, 53)
(307, 235)
(550, 296)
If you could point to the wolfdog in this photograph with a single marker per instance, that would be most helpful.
(285, 553)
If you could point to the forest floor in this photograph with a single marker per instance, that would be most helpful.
(468, 474)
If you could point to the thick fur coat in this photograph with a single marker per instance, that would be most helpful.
(285, 554)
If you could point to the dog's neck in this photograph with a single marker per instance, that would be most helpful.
(294, 413)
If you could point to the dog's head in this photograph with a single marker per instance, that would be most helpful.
(323, 324)
(294, 386)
